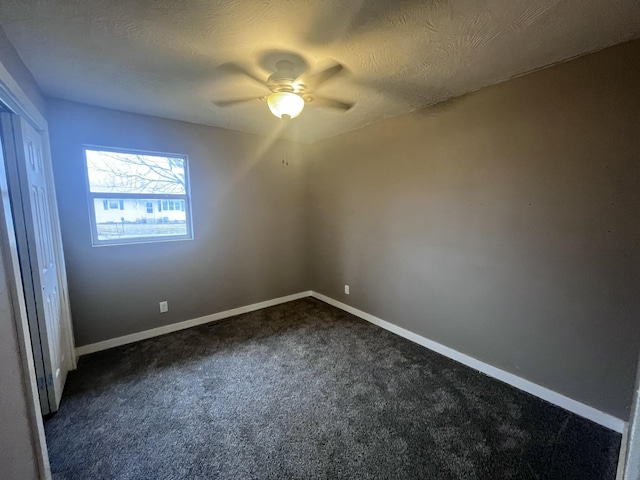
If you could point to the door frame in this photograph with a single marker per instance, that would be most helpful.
(16, 101)
(49, 384)
(13, 98)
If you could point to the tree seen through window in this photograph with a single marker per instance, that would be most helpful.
(137, 197)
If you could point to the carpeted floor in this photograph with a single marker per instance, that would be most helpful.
(305, 391)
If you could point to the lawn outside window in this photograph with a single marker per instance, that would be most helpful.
(137, 197)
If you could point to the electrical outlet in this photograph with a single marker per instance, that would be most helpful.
(346, 289)
(164, 306)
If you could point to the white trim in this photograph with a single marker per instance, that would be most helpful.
(555, 398)
(174, 327)
(12, 95)
(622, 456)
(93, 196)
(630, 451)
(18, 102)
(558, 399)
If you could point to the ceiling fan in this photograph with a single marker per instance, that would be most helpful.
(289, 92)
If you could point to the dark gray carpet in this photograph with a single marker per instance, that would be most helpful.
(306, 391)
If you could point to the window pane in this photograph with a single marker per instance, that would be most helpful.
(136, 221)
(116, 172)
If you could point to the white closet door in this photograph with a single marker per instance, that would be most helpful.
(40, 252)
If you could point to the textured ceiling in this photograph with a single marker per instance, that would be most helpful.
(161, 57)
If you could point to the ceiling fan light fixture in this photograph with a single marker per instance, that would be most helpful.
(285, 104)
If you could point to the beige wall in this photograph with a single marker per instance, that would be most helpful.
(248, 219)
(503, 224)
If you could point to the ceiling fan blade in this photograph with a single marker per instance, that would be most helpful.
(331, 103)
(237, 69)
(228, 103)
(317, 79)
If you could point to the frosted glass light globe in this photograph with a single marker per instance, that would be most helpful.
(285, 104)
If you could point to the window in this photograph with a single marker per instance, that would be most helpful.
(125, 186)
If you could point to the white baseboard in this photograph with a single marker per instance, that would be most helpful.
(558, 399)
(174, 327)
(562, 401)
(622, 456)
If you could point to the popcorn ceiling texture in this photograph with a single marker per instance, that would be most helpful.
(161, 57)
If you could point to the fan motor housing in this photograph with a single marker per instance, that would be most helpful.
(284, 79)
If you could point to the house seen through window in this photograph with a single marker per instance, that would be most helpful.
(137, 197)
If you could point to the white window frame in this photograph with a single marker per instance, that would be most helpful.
(91, 196)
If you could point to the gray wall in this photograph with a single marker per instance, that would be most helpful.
(247, 219)
(503, 224)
